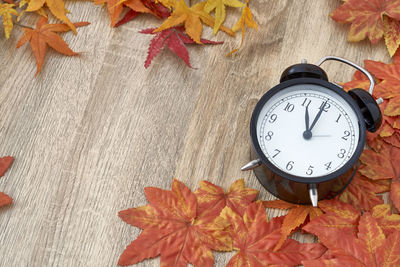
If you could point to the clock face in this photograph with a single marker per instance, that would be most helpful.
(307, 130)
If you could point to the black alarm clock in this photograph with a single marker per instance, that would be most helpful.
(308, 133)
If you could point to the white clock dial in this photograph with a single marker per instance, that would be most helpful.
(282, 122)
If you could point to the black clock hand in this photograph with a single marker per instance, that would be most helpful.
(318, 116)
(307, 119)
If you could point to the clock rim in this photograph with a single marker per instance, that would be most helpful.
(336, 174)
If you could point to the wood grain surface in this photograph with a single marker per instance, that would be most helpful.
(90, 132)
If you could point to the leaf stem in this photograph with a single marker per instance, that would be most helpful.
(22, 25)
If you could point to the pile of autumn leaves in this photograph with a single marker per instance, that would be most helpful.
(183, 24)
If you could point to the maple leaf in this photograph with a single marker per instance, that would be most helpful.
(191, 17)
(172, 228)
(389, 87)
(367, 19)
(294, 219)
(46, 34)
(6, 10)
(383, 164)
(246, 19)
(392, 34)
(368, 247)
(387, 221)
(254, 239)
(56, 7)
(220, 13)
(361, 192)
(115, 8)
(212, 198)
(389, 130)
(157, 10)
(5, 163)
(175, 39)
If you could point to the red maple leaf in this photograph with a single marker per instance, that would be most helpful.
(174, 39)
(254, 239)
(5, 163)
(173, 229)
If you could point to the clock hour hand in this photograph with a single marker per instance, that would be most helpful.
(307, 119)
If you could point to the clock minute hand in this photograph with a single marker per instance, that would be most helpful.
(318, 116)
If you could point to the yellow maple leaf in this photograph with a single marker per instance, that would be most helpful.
(245, 20)
(219, 6)
(191, 17)
(6, 10)
(56, 7)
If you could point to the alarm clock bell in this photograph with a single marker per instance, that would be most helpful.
(287, 178)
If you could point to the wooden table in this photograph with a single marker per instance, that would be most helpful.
(90, 132)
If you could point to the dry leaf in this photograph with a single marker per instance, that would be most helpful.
(212, 198)
(294, 219)
(6, 10)
(254, 239)
(5, 163)
(220, 13)
(191, 18)
(175, 39)
(388, 222)
(368, 246)
(383, 164)
(46, 34)
(115, 8)
(172, 228)
(246, 20)
(56, 7)
(361, 192)
(367, 19)
(157, 10)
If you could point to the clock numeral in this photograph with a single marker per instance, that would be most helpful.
(289, 107)
(305, 101)
(289, 166)
(325, 105)
(277, 152)
(337, 120)
(328, 166)
(341, 154)
(346, 135)
(273, 118)
(269, 136)
(310, 170)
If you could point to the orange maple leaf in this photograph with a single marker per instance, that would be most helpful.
(361, 192)
(115, 8)
(173, 229)
(192, 18)
(45, 34)
(367, 18)
(294, 219)
(212, 198)
(368, 246)
(383, 164)
(254, 239)
(5, 163)
(300, 214)
(388, 87)
(388, 222)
